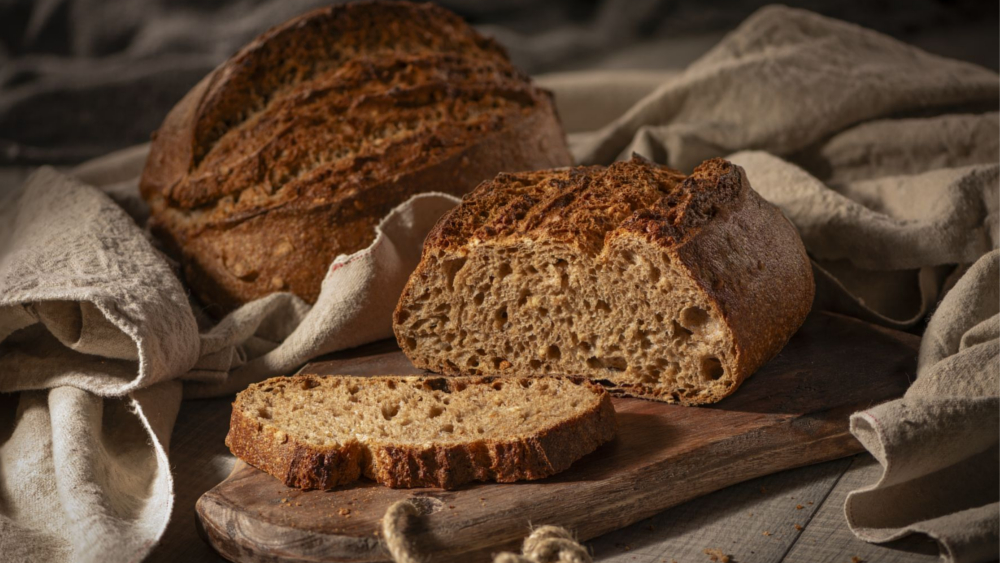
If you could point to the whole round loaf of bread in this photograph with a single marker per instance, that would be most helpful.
(660, 285)
(291, 152)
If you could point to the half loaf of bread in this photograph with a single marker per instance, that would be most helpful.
(669, 287)
(291, 152)
(316, 432)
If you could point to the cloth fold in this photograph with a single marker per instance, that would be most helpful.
(883, 156)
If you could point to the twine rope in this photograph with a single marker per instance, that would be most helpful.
(545, 544)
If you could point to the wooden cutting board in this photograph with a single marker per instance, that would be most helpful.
(793, 412)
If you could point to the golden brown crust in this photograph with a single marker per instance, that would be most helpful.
(289, 154)
(307, 466)
(740, 250)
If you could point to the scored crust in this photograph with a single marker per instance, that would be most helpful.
(291, 152)
(304, 465)
(668, 287)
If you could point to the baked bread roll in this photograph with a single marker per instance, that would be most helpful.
(316, 432)
(290, 152)
(664, 286)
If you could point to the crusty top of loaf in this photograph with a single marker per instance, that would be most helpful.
(585, 205)
(319, 108)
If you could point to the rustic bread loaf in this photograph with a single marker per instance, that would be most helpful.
(669, 287)
(290, 153)
(316, 432)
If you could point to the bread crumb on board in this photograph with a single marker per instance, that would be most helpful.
(799, 527)
(857, 559)
(716, 555)
(344, 512)
(766, 533)
(799, 507)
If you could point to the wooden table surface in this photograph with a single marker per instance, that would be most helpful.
(751, 522)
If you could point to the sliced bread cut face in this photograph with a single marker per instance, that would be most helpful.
(669, 287)
(318, 432)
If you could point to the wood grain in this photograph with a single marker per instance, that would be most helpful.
(793, 412)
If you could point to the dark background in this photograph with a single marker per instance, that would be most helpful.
(80, 78)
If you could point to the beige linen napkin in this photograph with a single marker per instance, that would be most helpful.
(97, 334)
(884, 157)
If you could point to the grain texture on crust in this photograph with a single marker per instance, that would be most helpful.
(319, 432)
(670, 287)
(290, 153)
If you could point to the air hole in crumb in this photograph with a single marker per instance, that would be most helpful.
(389, 411)
(616, 363)
(694, 318)
(402, 316)
(451, 268)
(478, 299)
(480, 431)
(448, 428)
(264, 413)
(353, 389)
(504, 271)
(391, 384)
(594, 363)
(497, 385)
(500, 317)
(603, 306)
(654, 274)
(410, 342)
(435, 412)
(553, 353)
(680, 333)
(711, 368)
(535, 364)
(309, 383)
(472, 362)
(524, 383)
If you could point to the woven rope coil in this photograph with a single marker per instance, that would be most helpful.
(545, 544)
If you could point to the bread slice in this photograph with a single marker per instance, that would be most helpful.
(316, 432)
(291, 152)
(668, 287)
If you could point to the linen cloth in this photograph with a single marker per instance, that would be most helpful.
(883, 156)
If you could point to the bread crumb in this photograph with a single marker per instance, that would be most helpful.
(716, 555)
(799, 507)
(857, 559)
(451, 506)
(344, 511)
(798, 527)
(766, 533)
(809, 503)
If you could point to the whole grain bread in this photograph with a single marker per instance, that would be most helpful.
(669, 287)
(318, 432)
(290, 152)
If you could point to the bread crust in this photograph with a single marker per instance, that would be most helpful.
(248, 203)
(446, 466)
(741, 251)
